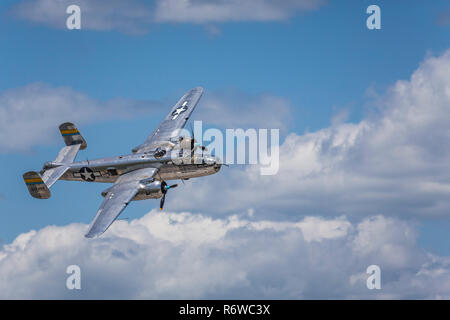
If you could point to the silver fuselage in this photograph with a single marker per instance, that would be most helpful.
(170, 167)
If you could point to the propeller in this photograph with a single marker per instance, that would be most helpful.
(164, 188)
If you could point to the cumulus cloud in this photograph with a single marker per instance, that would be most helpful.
(185, 255)
(395, 161)
(30, 115)
(138, 16)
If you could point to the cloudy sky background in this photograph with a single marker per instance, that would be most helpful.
(364, 173)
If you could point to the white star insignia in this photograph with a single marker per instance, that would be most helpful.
(178, 111)
(86, 175)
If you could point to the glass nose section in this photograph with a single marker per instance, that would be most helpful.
(212, 160)
(209, 160)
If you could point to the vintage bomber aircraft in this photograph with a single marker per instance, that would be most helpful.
(165, 155)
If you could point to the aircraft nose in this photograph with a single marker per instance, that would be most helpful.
(213, 161)
(209, 160)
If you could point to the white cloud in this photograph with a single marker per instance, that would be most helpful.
(201, 11)
(39, 108)
(193, 256)
(395, 162)
(138, 16)
(30, 115)
(126, 16)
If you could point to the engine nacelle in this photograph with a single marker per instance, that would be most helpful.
(152, 190)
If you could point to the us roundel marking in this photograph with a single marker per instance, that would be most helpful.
(179, 110)
(87, 174)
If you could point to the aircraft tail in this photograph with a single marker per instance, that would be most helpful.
(71, 135)
(38, 189)
(38, 186)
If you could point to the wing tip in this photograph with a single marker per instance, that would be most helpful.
(92, 235)
(198, 88)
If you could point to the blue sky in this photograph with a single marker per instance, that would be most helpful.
(321, 62)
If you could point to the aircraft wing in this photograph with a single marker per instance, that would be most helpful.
(170, 127)
(117, 198)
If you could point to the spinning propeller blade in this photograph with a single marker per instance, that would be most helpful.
(161, 202)
(164, 188)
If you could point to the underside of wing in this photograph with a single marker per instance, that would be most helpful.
(114, 203)
(117, 198)
(169, 129)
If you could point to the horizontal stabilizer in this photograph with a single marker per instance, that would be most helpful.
(68, 153)
(50, 176)
(65, 157)
(71, 135)
(38, 189)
